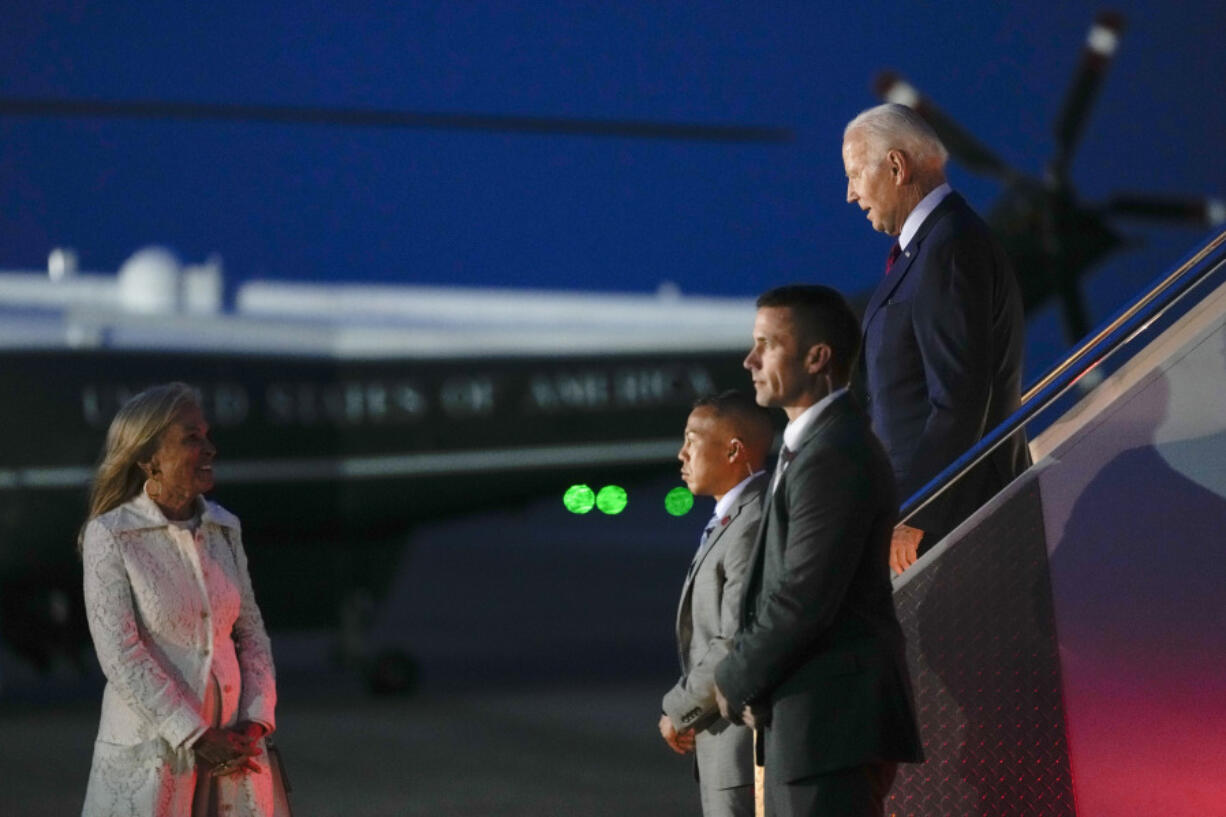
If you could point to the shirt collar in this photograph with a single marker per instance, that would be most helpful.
(922, 210)
(729, 499)
(795, 431)
(142, 512)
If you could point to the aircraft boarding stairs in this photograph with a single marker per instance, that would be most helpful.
(1067, 643)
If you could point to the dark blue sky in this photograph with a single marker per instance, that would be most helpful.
(479, 208)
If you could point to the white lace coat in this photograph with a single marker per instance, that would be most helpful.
(164, 608)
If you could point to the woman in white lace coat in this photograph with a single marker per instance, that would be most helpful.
(190, 688)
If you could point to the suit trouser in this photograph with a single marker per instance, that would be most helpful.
(856, 792)
(733, 802)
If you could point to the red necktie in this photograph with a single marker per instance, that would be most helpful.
(895, 251)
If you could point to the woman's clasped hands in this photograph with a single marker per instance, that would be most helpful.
(226, 751)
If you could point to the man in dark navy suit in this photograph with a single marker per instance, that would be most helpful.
(818, 663)
(943, 332)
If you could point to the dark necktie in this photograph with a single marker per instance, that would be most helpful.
(786, 455)
(895, 251)
(702, 541)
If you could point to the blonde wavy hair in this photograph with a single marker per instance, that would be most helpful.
(133, 437)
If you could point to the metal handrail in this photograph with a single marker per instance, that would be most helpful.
(1120, 329)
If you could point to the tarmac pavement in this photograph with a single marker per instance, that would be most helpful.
(544, 643)
(580, 750)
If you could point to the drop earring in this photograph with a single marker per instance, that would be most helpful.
(153, 486)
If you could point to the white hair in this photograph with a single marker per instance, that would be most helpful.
(891, 126)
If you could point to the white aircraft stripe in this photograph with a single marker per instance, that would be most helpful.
(441, 463)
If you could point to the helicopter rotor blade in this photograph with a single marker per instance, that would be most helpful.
(968, 150)
(169, 110)
(1186, 209)
(1101, 44)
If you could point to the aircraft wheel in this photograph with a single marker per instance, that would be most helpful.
(393, 672)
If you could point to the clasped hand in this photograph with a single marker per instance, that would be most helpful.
(747, 716)
(680, 742)
(226, 751)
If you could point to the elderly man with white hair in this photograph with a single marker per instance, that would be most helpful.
(943, 331)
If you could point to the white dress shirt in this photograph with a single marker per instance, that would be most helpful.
(726, 501)
(922, 210)
(795, 430)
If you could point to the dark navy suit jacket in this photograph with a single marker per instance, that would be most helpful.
(943, 338)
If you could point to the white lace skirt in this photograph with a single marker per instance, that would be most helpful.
(152, 780)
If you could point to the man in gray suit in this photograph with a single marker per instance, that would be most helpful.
(726, 441)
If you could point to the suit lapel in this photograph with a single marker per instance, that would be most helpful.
(748, 495)
(836, 407)
(887, 286)
(696, 563)
(755, 556)
(753, 580)
(891, 282)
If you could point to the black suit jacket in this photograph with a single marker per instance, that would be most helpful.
(943, 337)
(819, 642)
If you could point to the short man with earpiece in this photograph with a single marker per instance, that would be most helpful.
(726, 441)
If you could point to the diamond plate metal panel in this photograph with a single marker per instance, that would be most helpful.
(982, 652)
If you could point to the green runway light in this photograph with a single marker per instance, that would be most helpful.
(579, 499)
(611, 499)
(678, 501)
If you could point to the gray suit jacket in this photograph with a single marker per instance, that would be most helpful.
(707, 619)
